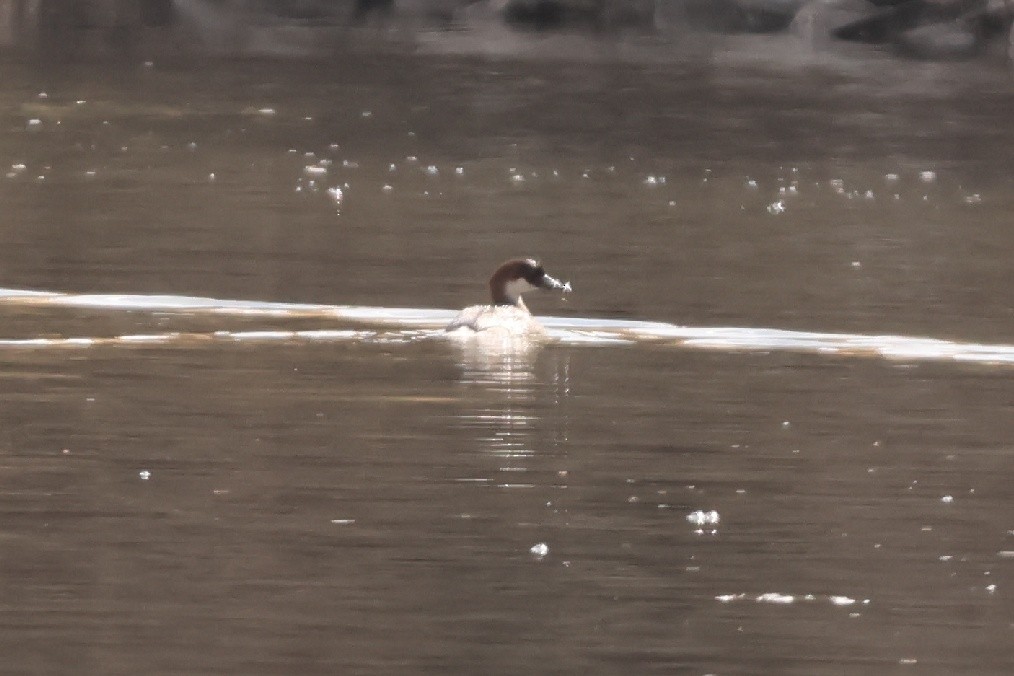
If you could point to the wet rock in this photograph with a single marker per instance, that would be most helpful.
(931, 29)
(816, 22)
(582, 14)
(884, 25)
(307, 12)
(364, 10)
(543, 14)
(877, 27)
(939, 41)
(726, 16)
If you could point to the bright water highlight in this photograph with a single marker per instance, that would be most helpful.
(407, 324)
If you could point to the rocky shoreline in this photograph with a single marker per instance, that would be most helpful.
(922, 29)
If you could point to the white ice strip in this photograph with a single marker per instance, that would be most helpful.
(412, 323)
(177, 337)
(241, 308)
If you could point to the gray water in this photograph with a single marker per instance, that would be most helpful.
(293, 491)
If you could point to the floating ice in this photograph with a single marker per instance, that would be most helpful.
(314, 170)
(566, 330)
(776, 207)
(539, 550)
(927, 176)
(144, 474)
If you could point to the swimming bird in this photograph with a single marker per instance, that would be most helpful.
(508, 313)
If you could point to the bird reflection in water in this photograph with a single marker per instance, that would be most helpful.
(519, 387)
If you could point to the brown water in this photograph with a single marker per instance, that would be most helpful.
(369, 506)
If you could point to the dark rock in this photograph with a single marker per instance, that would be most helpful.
(932, 29)
(816, 22)
(306, 12)
(726, 16)
(364, 9)
(936, 41)
(543, 14)
(885, 25)
(595, 15)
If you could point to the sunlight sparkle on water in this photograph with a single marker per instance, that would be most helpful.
(778, 598)
(539, 550)
(702, 518)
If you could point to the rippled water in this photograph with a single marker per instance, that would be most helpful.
(772, 432)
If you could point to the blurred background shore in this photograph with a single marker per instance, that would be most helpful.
(921, 29)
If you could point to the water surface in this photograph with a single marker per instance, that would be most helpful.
(255, 488)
